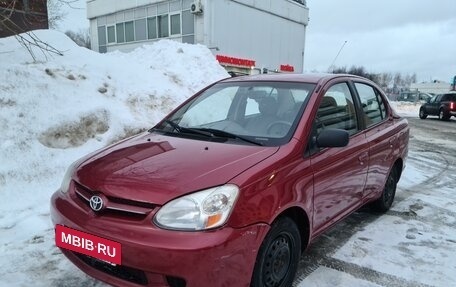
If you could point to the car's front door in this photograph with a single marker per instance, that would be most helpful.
(339, 173)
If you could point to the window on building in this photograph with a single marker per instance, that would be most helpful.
(102, 39)
(189, 39)
(175, 24)
(188, 23)
(175, 6)
(152, 28)
(111, 34)
(163, 30)
(102, 35)
(120, 33)
(129, 32)
(140, 30)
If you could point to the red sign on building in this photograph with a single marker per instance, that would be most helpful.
(232, 61)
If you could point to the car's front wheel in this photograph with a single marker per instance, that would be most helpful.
(278, 257)
(385, 201)
(423, 115)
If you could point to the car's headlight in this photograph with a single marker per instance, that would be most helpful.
(68, 176)
(201, 210)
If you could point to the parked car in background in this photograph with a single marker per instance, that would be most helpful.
(443, 106)
(413, 97)
(233, 185)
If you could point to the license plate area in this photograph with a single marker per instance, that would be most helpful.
(100, 248)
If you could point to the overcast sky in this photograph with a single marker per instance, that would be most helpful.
(407, 36)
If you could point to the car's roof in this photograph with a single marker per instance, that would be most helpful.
(306, 78)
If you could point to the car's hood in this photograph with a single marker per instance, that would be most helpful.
(157, 168)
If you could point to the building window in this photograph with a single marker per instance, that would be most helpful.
(175, 24)
(120, 33)
(189, 39)
(140, 30)
(188, 23)
(163, 26)
(152, 28)
(111, 34)
(102, 39)
(175, 6)
(129, 32)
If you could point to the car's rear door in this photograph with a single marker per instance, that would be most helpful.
(432, 108)
(339, 173)
(382, 136)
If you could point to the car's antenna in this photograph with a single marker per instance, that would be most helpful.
(331, 67)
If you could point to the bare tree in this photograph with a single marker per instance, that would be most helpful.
(55, 13)
(19, 17)
(81, 38)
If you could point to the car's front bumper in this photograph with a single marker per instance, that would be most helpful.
(157, 257)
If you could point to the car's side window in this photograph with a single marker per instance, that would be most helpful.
(372, 103)
(337, 110)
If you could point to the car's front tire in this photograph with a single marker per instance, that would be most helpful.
(278, 257)
(385, 201)
(423, 115)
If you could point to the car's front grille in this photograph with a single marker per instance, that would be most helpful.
(122, 272)
(116, 206)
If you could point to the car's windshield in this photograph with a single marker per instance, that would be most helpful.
(260, 112)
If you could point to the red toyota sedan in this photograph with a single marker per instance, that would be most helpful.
(233, 185)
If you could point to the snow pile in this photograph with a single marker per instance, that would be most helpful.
(406, 109)
(59, 108)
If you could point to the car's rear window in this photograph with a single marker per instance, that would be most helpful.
(451, 97)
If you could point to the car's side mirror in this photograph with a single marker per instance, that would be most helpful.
(332, 138)
(428, 101)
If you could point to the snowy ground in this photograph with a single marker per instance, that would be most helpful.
(57, 109)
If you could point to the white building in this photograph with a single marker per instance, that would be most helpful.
(266, 34)
(435, 87)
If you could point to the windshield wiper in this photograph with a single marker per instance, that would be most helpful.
(181, 129)
(221, 133)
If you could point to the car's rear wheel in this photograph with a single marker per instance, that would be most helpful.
(385, 201)
(278, 257)
(423, 115)
(443, 115)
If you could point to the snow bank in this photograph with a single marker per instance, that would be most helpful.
(406, 109)
(59, 108)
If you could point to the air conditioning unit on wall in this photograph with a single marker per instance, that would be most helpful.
(197, 7)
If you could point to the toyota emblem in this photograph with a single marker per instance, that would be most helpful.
(96, 203)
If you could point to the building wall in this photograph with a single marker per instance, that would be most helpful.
(22, 16)
(434, 88)
(271, 32)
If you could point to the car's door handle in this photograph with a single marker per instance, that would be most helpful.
(363, 157)
(391, 141)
